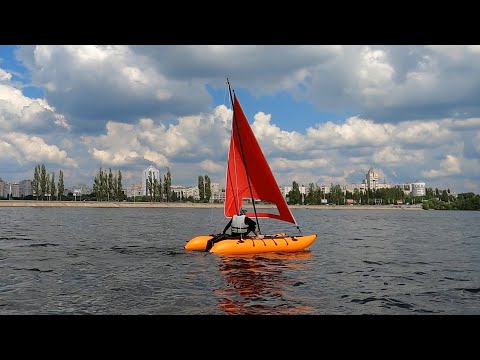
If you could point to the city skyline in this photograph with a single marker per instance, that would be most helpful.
(371, 181)
(322, 114)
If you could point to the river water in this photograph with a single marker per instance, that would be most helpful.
(132, 261)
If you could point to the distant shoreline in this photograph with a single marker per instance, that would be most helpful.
(112, 204)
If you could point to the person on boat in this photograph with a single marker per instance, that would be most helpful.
(241, 225)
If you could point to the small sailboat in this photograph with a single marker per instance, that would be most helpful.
(249, 176)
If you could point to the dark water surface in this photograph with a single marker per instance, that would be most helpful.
(132, 261)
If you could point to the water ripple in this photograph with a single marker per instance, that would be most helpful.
(132, 261)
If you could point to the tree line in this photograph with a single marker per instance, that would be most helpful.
(433, 198)
(464, 201)
(43, 184)
(204, 188)
(158, 191)
(107, 186)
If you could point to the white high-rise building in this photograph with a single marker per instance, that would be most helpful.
(25, 188)
(134, 190)
(146, 173)
(418, 189)
(415, 189)
(372, 179)
(218, 194)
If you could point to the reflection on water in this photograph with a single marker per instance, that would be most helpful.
(132, 261)
(261, 284)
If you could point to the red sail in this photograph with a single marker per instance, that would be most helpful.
(248, 173)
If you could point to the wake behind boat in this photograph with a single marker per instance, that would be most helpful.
(249, 177)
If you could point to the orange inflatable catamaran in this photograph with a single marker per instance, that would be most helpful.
(249, 176)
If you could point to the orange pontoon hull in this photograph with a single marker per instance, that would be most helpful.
(252, 245)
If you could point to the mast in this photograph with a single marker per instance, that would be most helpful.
(243, 156)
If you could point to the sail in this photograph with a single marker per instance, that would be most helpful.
(248, 173)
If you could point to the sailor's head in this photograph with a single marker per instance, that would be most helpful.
(243, 211)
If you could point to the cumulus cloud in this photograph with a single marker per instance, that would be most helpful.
(450, 165)
(34, 149)
(286, 164)
(398, 83)
(422, 134)
(5, 76)
(394, 155)
(21, 113)
(130, 106)
(275, 140)
(116, 159)
(383, 83)
(324, 154)
(212, 167)
(108, 82)
(356, 132)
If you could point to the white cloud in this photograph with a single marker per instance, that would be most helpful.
(21, 113)
(450, 165)
(34, 149)
(114, 158)
(8, 151)
(5, 76)
(374, 74)
(423, 133)
(476, 142)
(274, 139)
(286, 164)
(353, 133)
(465, 124)
(156, 158)
(129, 106)
(393, 155)
(211, 166)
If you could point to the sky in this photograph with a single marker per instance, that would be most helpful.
(321, 114)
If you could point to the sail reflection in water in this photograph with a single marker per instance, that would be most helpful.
(259, 284)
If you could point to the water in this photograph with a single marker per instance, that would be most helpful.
(132, 261)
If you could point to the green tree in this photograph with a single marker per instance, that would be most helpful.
(201, 188)
(336, 194)
(36, 180)
(109, 184)
(100, 185)
(96, 186)
(208, 189)
(52, 186)
(104, 186)
(114, 190)
(48, 188)
(356, 195)
(61, 187)
(167, 185)
(294, 196)
(429, 193)
(160, 189)
(119, 194)
(155, 188)
(150, 185)
(43, 180)
(444, 196)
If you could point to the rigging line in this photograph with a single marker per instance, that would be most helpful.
(228, 172)
(225, 95)
(243, 157)
(212, 222)
(235, 178)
